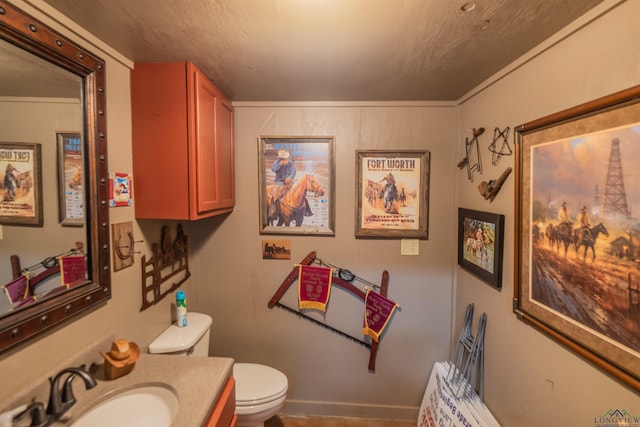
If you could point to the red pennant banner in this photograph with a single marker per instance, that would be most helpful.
(378, 311)
(73, 270)
(314, 287)
(17, 290)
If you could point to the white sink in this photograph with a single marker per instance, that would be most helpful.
(145, 406)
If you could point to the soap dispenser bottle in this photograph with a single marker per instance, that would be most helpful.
(181, 309)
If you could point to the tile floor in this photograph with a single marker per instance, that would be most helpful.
(333, 422)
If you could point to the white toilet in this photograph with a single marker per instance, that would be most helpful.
(260, 390)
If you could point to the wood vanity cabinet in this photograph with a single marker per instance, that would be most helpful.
(223, 413)
(183, 147)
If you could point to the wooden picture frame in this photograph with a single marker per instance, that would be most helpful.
(21, 190)
(480, 245)
(71, 184)
(392, 194)
(579, 283)
(296, 185)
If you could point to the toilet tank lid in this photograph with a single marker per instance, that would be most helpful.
(176, 339)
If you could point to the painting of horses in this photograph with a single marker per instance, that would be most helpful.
(296, 193)
(579, 231)
(480, 239)
(392, 196)
(20, 184)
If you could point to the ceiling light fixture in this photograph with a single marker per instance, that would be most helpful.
(468, 7)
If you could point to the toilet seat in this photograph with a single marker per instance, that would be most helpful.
(258, 384)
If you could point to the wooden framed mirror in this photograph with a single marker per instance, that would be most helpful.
(32, 41)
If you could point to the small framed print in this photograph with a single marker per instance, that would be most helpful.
(120, 189)
(480, 238)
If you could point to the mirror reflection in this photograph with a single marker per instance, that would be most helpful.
(41, 105)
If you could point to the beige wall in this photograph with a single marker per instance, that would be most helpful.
(235, 284)
(531, 381)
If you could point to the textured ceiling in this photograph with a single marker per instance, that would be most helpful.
(329, 50)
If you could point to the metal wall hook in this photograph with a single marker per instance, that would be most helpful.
(505, 149)
(472, 160)
(125, 251)
(123, 245)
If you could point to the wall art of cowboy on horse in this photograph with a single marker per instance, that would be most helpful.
(392, 193)
(480, 244)
(296, 185)
(583, 201)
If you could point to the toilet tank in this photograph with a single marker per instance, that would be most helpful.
(189, 340)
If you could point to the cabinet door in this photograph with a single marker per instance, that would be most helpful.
(223, 412)
(225, 166)
(160, 140)
(213, 174)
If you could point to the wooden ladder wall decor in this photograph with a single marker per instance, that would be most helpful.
(338, 281)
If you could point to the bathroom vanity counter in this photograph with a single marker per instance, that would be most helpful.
(197, 381)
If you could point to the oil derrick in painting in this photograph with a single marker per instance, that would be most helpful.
(615, 197)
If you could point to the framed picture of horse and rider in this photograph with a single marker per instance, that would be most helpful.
(577, 237)
(297, 185)
(480, 245)
(392, 194)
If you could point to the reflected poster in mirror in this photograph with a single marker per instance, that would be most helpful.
(21, 190)
(70, 179)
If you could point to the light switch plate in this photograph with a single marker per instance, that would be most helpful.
(410, 247)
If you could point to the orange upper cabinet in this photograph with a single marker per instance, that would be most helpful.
(183, 152)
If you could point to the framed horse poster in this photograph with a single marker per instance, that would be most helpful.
(577, 239)
(480, 238)
(297, 185)
(392, 195)
(21, 185)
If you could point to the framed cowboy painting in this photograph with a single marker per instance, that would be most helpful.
(577, 233)
(297, 185)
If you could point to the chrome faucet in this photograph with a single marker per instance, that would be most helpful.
(60, 402)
